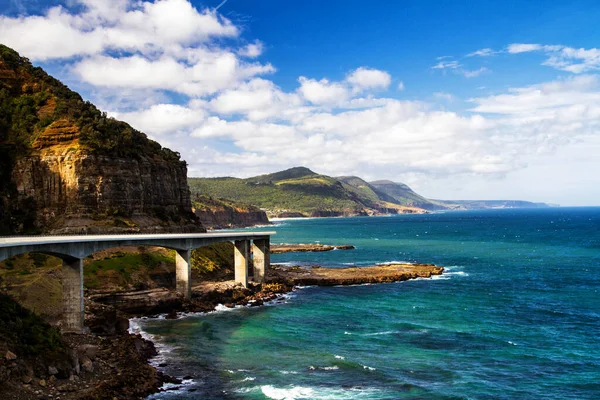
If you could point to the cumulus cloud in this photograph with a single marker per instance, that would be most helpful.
(160, 45)
(323, 92)
(211, 72)
(367, 78)
(372, 135)
(252, 50)
(112, 25)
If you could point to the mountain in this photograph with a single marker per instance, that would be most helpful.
(301, 192)
(402, 194)
(66, 167)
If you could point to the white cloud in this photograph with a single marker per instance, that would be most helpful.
(113, 25)
(516, 48)
(323, 92)
(252, 50)
(163, 118)
(563, 57)
(487, 52)
(213, 71)
(446, 64)
(367, 78)
(400, 86)
(536, 101)
(473, 73)
(457, 68)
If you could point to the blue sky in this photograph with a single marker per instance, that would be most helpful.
(459, 99)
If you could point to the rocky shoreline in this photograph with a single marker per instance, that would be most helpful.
(110, 362)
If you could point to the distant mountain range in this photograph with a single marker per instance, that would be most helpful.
(300, 192)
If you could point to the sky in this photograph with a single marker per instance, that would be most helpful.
(458, 99)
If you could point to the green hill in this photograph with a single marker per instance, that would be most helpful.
(299, 191)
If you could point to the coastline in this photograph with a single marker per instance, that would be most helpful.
(209, 297)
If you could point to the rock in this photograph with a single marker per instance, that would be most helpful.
(87, 365)
(52, 370)
(109, 322)
(10, 356)
(27, 379)
(42, 383)
(87, 350)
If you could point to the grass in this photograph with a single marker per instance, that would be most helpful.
(121, 267)
(300, 195)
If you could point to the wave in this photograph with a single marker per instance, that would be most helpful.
(304, 392)
(381, 333)
(396, 262)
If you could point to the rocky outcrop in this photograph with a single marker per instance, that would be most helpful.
(351, 276)
(231, 218)
(154, 301)
(301, 248)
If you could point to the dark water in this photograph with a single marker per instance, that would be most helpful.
(516, 316)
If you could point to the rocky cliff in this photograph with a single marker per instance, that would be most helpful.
(217, 214)
(68, 168)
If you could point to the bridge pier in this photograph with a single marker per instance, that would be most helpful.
(241, 261)
(72, 282)
(183, 272)
(261, 258)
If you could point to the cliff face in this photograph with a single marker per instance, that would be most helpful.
(69, 169)
(232, 218)
(217, 214)
(75, 191)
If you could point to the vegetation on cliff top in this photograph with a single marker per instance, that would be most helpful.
(31, 100)
(202, 202)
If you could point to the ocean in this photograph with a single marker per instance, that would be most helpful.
(516, 315)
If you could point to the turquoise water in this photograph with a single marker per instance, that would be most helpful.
(516, 316)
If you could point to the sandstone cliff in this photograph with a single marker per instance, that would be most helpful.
(68, 168)
(218, 214)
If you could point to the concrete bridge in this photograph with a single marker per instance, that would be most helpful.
(73, 249)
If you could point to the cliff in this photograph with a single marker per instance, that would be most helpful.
(220, 213)
(68, 168)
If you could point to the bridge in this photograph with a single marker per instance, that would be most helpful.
(73, 249)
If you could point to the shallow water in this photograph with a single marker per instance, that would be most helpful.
(516, 315)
